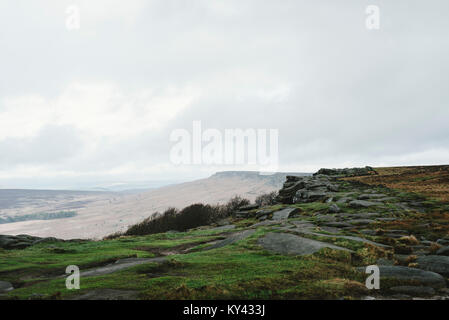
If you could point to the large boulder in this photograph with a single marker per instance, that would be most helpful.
(284, 213)
(411, 275)
(5, 286)
(438, 264)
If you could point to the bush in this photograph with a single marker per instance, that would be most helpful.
(190, 217)
(193, 216)
(233, 204)
(266, 199)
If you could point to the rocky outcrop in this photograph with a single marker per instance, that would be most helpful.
(347, 172)
(306, 189)
(23, 241)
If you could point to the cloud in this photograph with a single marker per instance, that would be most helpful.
(339, 95)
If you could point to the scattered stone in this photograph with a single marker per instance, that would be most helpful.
(5, 286)
(353, 238)
(371, 196)
(362, 215)
(387, 219)
(285, 243)
(338, 224)
(325, 218)
(334, 208)
(359, 222)
(438, 264)
(362, 204)
(386, 199)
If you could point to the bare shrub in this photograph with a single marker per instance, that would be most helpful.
(266, 199)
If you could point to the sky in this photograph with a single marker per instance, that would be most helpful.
(97, 104)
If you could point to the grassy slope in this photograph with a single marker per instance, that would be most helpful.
(241, 270)
(431, 181)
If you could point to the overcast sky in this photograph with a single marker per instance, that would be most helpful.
(98, 103)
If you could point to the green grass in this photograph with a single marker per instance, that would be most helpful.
(241, 270)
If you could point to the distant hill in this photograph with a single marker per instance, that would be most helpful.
(104, 213)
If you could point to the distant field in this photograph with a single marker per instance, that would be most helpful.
(39, 216)
(432, 181)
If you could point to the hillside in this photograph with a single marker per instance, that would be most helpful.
(432, 181)
(99, 214)
(315, 243)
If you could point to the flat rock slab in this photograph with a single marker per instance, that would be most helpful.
(284, 213)
(108, 294)
(359, 222)
(338, 224)
(361, 215)
(358, 239)
(303, 224)
(325, 218)
(5, 286)
(362, 204)
(438, 264)
(285, 243)
(231, 239)
(371, 196)
(120, 265)
(419, 277)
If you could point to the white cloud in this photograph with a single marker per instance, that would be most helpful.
(96, 109)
